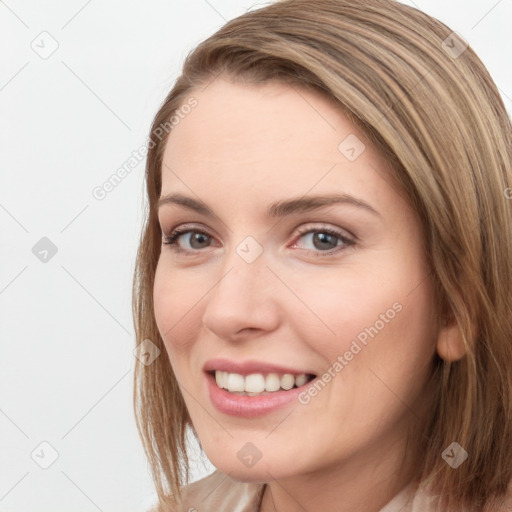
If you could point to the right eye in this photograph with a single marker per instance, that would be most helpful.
(193, 239)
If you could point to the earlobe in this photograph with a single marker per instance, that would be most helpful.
(450, 344)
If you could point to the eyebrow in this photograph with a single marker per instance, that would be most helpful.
(275, 210)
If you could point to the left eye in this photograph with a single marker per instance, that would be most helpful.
(323, 240)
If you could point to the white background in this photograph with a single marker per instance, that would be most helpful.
(68, 122)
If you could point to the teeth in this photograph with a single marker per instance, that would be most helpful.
(257, 383)
(272, 382)
(235, 382)
(254, 383)
(300, 380)
(287, 381)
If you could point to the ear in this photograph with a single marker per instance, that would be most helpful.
(450, 345)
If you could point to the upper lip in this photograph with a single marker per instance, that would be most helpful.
(248, 367)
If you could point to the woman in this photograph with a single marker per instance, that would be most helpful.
(326, 268)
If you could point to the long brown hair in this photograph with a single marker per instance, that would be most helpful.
(428, 103)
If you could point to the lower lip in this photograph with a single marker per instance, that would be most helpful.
(249, 406)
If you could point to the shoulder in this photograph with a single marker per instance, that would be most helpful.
(414, 498)
(217, 492)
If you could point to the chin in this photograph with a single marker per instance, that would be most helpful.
(261, 472)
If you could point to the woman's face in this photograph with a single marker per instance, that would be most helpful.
(300, 257)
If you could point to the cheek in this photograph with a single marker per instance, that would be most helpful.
(341, 307)
(176, 304)
(383, 309)
(379, 357)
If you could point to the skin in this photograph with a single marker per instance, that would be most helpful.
(240, 149)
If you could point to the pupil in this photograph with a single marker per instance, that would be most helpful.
(199, 238)
(324, 238)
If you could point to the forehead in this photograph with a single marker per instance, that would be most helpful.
(242, 121)
(269, 137)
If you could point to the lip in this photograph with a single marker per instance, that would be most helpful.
(248, 367)
(250, 406)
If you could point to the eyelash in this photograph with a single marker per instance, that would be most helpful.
(172, 238)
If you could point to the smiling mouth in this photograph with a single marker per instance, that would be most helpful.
(259, 384)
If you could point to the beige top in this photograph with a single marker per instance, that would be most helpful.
(220, 493)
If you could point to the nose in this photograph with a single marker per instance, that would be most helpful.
(243, 301)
